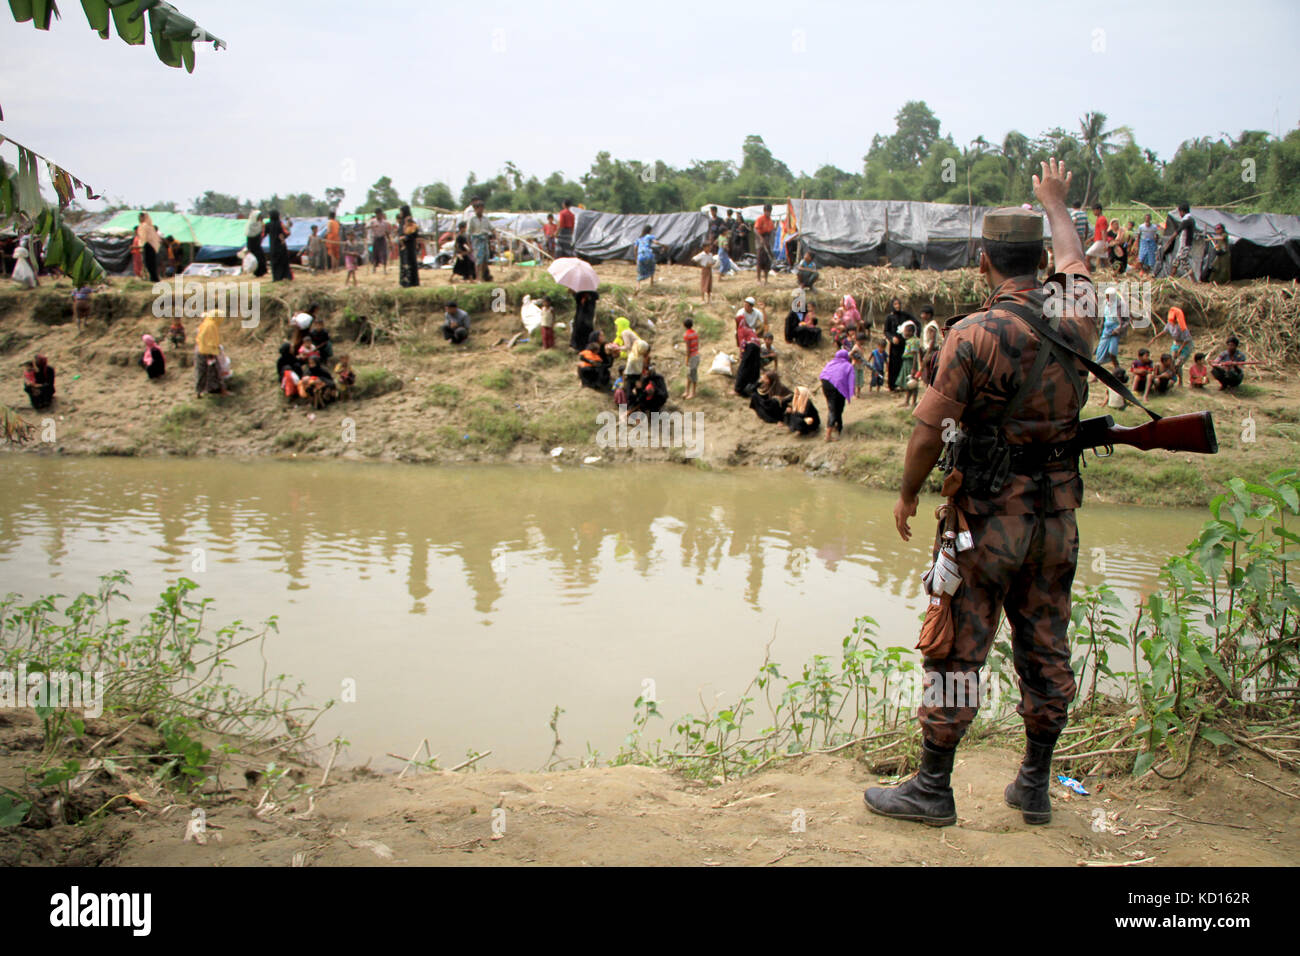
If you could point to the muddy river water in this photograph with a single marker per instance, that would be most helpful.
(465, 603)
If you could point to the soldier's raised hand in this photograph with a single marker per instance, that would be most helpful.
(1054, 184)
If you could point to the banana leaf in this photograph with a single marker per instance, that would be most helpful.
(173, 33)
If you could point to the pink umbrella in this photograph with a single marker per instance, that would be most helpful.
(574, 274)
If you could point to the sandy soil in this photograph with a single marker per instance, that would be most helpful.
(107, 406)
(1214, 815)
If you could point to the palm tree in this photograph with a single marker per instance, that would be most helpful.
(1097, 142)
(1016, 150)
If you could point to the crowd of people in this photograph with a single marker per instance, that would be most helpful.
(1228, 368)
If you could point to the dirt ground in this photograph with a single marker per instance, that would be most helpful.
(809, 811)
(106, 405)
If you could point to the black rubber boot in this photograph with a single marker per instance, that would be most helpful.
(1028, 793)
(926, 798)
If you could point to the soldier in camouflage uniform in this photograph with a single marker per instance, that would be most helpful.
(1025, 541)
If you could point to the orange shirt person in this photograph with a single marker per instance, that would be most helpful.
(333, 242)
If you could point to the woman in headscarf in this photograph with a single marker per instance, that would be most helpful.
(38, 382)
(463, 262)
(207, 356)
(748, 368)
(594, 362)
(800, 413)
(768, 400)
(253, 233)
(152, 360)
(288, 370)
(150, 244)
(584, 319)
(276, 234)
(851, 317)
(408, 245)
(738, 244)
(893, 324)
(801, 327)
(837, 386)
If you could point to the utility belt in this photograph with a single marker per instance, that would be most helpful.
(979, 464)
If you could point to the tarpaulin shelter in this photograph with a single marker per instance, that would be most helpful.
(213, 237)
(1264, 244)
(600, 236)
(913, 235)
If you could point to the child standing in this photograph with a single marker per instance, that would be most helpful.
(81, 305)
(706, 260)
(692, 340)
(351, 256)
(858, 354)
(548, 325)
(344, 377)
(177, 331)
(879, 359)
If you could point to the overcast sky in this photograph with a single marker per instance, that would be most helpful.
(317, 93)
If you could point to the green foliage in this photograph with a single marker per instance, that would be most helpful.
(499, 378)
(171, 671)
(442, 395)
(173, 33)
(372, 382)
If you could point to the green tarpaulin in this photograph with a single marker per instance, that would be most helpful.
(201, 230)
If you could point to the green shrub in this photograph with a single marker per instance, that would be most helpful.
(297, 439)
(549, 358)
(441, 395)
(500, 379)
(493, 424)
(372, 382)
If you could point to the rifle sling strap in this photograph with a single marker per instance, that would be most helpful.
(1035, 321)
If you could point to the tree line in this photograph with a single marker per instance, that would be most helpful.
(1254, 170)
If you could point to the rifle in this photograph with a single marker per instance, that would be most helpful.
(1192, 432)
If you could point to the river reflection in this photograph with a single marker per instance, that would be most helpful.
(469, 601)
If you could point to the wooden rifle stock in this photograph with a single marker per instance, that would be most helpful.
(1192, 432)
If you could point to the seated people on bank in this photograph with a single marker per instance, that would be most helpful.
(317, 384)
(807, 271)
(299, 325)
(152, 360)
(455, 328)
(38, 382)
(1166, 374)
(768, 400)
(344, 376)
(288, 370)
(594, 362)
(1142, 369)
(1228, 369)
(320, 337)
(800, 413)
(801, 327)
(649, 393)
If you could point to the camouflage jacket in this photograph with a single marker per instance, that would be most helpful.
(984, 358)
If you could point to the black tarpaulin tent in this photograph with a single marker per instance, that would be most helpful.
(1264, 244)
(907, 234)
(599, 236)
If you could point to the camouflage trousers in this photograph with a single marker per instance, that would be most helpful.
(1022, 564)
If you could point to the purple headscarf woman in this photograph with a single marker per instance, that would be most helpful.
(837, 386)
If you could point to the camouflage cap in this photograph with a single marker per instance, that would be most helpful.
(1012, 224)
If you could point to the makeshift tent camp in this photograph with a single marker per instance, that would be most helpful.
(599, 236)
(913, 235)
(213, 237)
(1264, 245)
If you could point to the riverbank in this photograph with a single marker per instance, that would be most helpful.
(1222, 812)
(422, 400)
